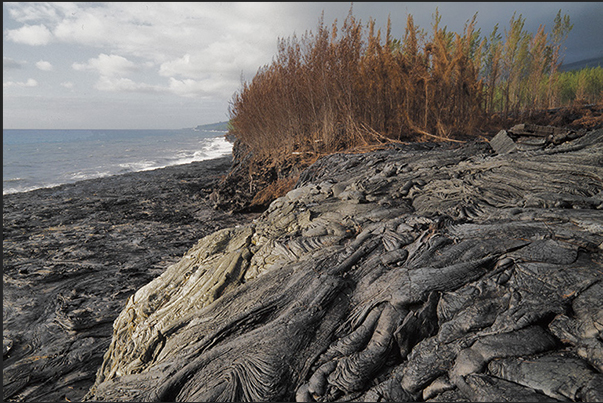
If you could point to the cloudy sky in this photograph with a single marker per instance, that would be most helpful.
(172, 65)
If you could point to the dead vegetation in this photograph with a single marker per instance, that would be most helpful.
(355, 87)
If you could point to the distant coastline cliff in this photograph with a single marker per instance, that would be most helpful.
(219, 127)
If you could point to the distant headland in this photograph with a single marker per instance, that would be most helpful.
(219, 126)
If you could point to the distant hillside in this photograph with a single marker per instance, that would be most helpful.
(581, 64)
(220, 126)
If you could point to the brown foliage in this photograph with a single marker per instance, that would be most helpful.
(355, 87)
(335, 90)
(273, 191)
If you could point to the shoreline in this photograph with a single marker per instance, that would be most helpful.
(213, 164)
(72, 256)
(56, 185)
(22, 175)
(428, 223)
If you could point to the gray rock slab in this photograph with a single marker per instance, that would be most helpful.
(502, 143)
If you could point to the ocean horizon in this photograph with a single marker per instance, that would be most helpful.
(34, 159)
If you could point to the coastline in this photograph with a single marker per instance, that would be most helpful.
(70, 156)
(405, 234)
(72, 256)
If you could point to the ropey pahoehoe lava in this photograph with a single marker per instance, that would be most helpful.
(420, 272)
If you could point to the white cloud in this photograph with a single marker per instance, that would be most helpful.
(29, 83)
(113, 71)
(113, 84)
(88, 28)
(44, 65)
(108, 65)
(34, 35)
(196, 88)
(8, 63)
(179, 66)
(202, 49)
(242, 34)
(67, 84)
(226, 57)
(188, 88)
(26, 12)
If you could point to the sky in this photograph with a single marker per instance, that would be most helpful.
(171, 65)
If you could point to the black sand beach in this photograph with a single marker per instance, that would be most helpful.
(73, 254)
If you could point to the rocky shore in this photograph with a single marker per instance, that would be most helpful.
(74, 254)
(420, 272)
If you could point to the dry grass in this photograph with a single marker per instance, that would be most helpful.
(273, 191)
(354, 87)
(339, 89)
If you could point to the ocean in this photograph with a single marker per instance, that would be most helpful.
(35, 159)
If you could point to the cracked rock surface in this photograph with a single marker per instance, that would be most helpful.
(423, 272)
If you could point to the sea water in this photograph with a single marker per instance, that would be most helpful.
(35, 159)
